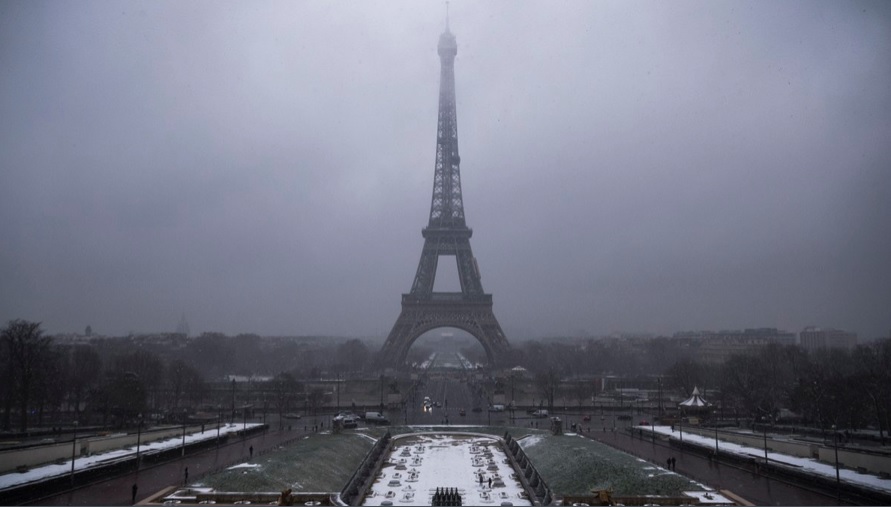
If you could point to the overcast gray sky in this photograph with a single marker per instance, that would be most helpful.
(267, 166)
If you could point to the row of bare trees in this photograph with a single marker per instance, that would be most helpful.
(41, 380)
(847, 388)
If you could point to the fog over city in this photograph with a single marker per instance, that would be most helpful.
(266, 167)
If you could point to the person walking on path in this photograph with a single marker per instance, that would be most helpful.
(186, 476)
(481, 480)
(490, 483)
(133, 491)
(251, 451)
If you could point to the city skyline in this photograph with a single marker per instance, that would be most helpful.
(267, 168)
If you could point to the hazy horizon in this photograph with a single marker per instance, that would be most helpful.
(267, 167)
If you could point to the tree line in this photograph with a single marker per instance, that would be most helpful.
(112, 381)
(844, 388)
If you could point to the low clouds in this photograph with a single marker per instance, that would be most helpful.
(267, 167)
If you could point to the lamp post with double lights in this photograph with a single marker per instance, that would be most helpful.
(183, 453)
(837, 473)
(73, 452)
(764, 427)
(138, 439)
(681, 427)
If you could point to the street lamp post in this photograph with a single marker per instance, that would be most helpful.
(660, 396)
(184, 434)
(73, 452)
(837, 473)
(681, 427)
(138, 439)
(764, 427)
(232, 419)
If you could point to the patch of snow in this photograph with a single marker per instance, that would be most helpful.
(531, 440)
(244, 465)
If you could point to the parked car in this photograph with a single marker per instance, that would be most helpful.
(624, 417)
(540, 413)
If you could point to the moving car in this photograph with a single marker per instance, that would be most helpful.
(376, 418)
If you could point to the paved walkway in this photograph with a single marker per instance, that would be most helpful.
(150, 480)
(751, 486)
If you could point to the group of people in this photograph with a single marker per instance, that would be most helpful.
(481, 481)
(671, 462)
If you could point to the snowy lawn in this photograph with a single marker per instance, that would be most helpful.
(317, 462)
(574, 465)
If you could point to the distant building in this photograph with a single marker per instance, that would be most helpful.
(814, 338)
(183, 326)
(717, 347)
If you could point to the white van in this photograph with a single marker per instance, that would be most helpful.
(376, 418)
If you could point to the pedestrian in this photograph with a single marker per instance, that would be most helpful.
(251, 451)
(186, 476)
(668, 463)
(481, 480)
(674, 463)
(133, 491)
(490, 483)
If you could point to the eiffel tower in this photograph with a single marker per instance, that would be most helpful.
(446, 235)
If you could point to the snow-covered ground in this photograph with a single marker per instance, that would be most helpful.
(420, 464)
(97, 460)
(810, 465)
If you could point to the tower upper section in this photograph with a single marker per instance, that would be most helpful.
(447, 205)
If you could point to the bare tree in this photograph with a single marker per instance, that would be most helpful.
(285, 389)
(28, 349)
(547, 383)
(84, 368)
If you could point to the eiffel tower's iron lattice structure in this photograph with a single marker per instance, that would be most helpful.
(446, 235)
